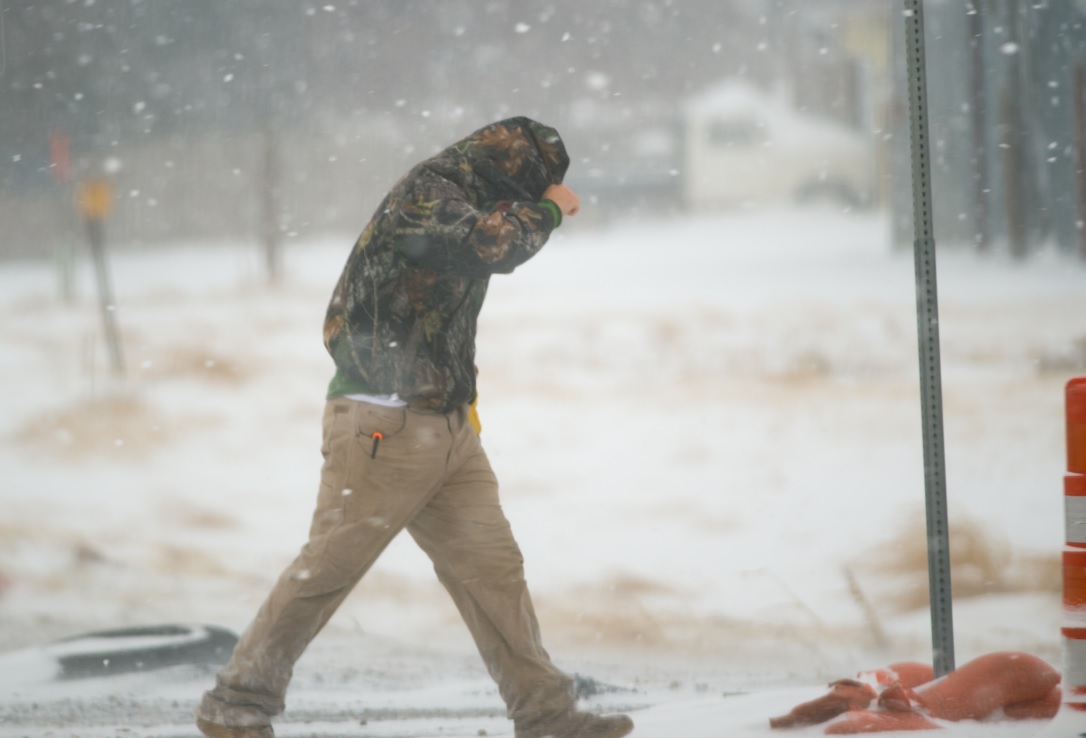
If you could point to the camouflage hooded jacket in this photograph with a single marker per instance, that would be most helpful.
(402, 319)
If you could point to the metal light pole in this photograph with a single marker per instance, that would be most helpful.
(96, 202)
(927, 320)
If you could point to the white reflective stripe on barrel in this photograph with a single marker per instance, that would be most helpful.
(1074, 668)
(1074, 515)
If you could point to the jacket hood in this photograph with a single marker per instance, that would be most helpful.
(518, 154)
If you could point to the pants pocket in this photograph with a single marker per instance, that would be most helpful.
(376, 424)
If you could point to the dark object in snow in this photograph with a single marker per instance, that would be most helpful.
(108, 652)
(584, 686)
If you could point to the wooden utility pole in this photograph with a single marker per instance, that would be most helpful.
(1079, 93)
(60, 162)
(1012, 175)
(271, 206)
(978, 108)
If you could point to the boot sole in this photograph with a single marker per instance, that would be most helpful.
(214, 730)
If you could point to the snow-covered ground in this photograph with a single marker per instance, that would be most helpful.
(707, 433)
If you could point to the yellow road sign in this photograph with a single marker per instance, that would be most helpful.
(95, 198)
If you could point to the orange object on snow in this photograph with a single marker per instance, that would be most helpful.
(845, 695)
(868, 721)
(990, 682)
(907, 673)
(1023, 686)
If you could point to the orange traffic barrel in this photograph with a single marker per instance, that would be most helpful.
(1076, 425)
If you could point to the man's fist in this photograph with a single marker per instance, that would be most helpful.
(565, 198)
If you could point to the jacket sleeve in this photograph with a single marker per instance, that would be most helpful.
(449, 235)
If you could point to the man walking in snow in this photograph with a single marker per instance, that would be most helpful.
(399, 446)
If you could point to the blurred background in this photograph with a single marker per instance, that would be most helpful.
(276, 120)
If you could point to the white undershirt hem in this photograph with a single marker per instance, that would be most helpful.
(383, 400)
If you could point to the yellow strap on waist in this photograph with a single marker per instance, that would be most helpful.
(473, 415)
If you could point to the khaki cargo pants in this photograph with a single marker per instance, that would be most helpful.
(386, 469)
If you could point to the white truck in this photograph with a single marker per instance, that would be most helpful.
(743, 148)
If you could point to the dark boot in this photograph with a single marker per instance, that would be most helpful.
(575, 724)
(214, 730)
